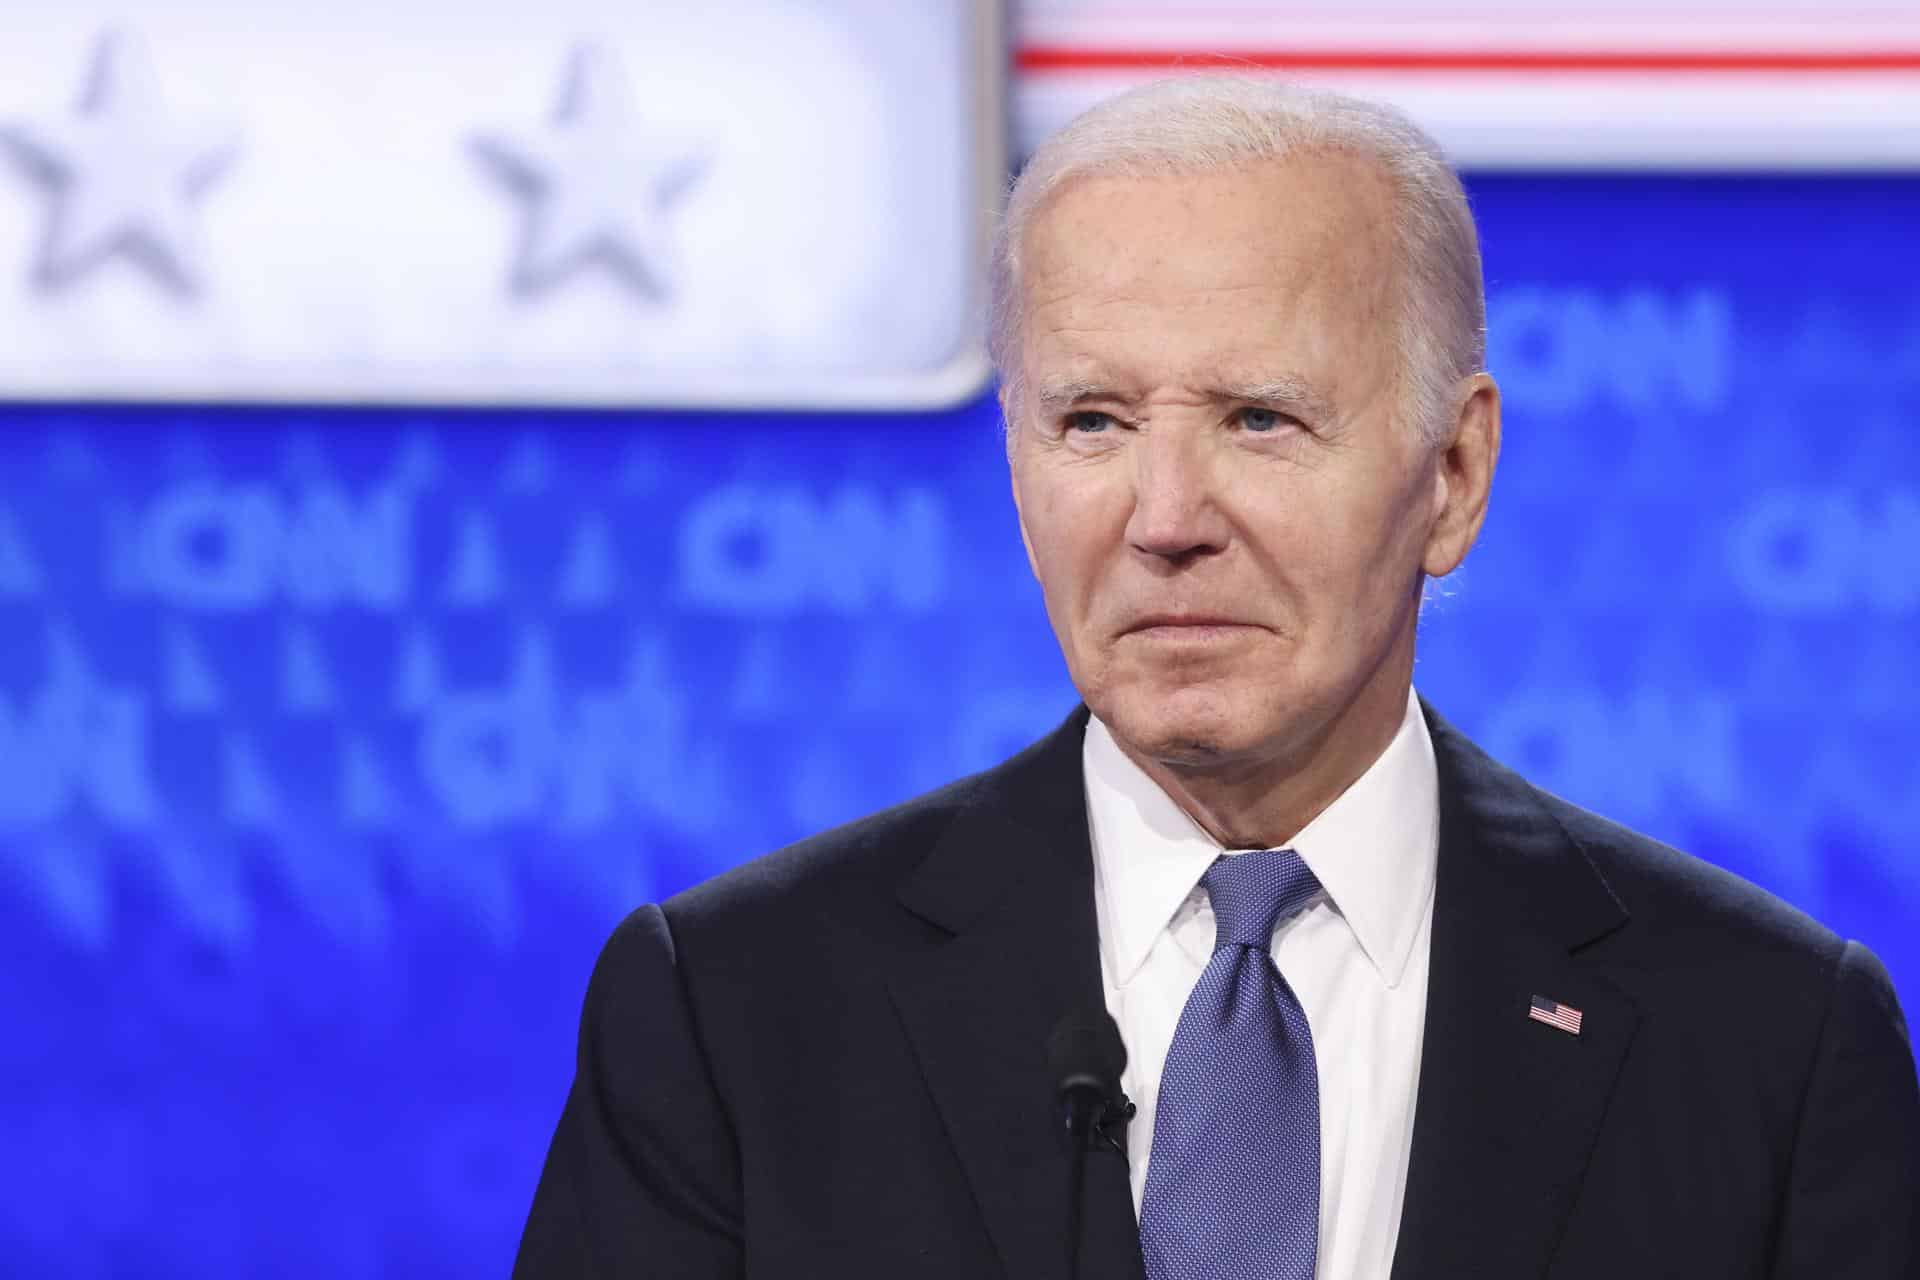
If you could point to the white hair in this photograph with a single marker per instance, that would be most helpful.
(1210, 122)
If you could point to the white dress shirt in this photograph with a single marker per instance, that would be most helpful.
(1356, 957)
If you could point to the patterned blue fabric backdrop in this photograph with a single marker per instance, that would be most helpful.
(332, 744)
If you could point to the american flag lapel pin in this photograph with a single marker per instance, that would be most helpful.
(1555, 1014)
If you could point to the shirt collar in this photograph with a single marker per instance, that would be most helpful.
(1374, 849)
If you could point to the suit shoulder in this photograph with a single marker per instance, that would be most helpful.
(845, 865)
(844, 871)
(1679, 896)
(1675, 902)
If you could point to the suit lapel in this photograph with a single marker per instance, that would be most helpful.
(1009, 887)
(1508, 1107)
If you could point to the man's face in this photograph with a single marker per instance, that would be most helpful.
(1228, 514)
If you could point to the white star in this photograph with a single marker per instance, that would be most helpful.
(122, 175)
(594, 186)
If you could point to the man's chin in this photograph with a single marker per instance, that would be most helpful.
(1184, 731)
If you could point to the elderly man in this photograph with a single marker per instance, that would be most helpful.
(1390, 1010)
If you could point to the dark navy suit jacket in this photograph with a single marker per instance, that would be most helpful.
(831, 1061)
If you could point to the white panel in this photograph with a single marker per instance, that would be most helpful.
(575, 201)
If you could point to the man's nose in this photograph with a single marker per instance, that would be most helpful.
(1176, 515)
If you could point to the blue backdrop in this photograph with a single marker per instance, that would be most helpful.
(333, 743)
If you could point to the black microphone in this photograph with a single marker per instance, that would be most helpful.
(1086, 1056)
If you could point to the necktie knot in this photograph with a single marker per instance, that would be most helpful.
(1253, 892)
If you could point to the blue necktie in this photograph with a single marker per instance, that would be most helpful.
(1233, 1178)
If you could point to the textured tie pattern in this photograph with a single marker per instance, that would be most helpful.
(1233, 1181)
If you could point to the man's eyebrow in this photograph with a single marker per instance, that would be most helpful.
(1288, 392)
(1052, 397)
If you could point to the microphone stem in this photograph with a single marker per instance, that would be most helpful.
(1076, 1194)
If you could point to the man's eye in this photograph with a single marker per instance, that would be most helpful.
(1261, 421)
(1087, 421)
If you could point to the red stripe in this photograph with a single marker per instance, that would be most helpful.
(1044, 57)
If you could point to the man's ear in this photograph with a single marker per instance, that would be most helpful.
(1020, 515)
(1012, 426)
(1464, 478)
